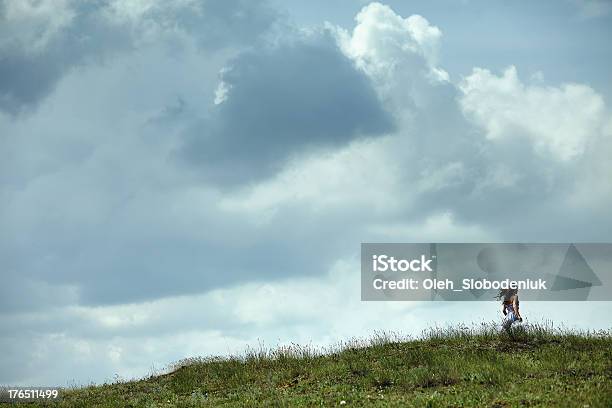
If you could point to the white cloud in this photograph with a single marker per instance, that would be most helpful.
(221, 92)
(381, 38)
(357, 176)
(396, 52)
(558, 121)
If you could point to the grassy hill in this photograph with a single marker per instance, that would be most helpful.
(447, 367)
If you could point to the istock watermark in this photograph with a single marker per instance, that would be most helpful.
(383, 263)
(478, 271)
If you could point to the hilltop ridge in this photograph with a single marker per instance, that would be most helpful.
(535, 366)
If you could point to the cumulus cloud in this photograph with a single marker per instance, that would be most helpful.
(382, 40)
(558, 121)
(399, 54)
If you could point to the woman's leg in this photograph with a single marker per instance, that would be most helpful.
(508, 320)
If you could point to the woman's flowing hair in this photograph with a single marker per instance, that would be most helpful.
(506, 294)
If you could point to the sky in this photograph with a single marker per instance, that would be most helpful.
(190, 178)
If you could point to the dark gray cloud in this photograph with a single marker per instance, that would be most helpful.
(39, 48)
(22, 82)
(283, 100)
(144, 255)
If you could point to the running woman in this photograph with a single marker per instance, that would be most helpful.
(510, 307)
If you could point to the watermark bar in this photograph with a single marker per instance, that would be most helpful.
(478, 271)
(29, 394)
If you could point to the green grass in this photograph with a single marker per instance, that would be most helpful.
(538, 366)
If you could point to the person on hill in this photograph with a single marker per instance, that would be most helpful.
(510, 307)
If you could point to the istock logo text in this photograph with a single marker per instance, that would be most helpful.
(383, 263)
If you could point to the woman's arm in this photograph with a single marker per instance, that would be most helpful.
(515, 306)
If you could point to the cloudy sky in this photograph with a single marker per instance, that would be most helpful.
(191, 177)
